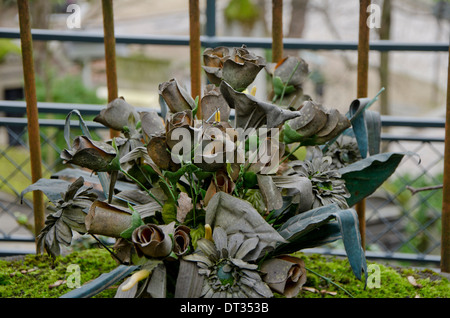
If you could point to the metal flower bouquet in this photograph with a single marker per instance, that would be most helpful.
(214, 199)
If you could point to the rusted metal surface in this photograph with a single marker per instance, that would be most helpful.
(110, 53)
(32, 111)
(445, 236)
(195, 51)
(277, 30)
(362, 91)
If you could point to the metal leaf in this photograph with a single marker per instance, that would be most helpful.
(363, 177)
(101, 283)
(299, 226)
(252, 113)
(189, 281)
(157, 286)
(52, 188)
(271, 194)
(236, 215)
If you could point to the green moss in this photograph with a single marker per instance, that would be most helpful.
(31, 277)
(393, 282)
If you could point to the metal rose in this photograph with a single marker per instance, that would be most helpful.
(236, 66)
(217, 147)
(183, 119)
(284, 274)
(118, 114)
(181, 240)
(153, 241)
(284, 69)
(315, 125)
(213, 102)
(175, 96)
(91, 154)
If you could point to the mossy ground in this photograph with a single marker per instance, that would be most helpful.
(33, 276)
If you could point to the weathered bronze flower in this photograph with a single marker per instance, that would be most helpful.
(153, 241)
(217, 147)
(327, 184)
(284, 274)
(91, 154)
(343, 151)
(291, 70)
(117, 114)
(213, 102)
(181, 121)
(175, 96)
(181, 240)
(226, 273)
(254, 113)
(236, 66)
(315, 125)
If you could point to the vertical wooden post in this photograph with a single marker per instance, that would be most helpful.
(445, 236)
(110, 53)
(277, 30)
(195, 51)
(362, 91)
(32, 111)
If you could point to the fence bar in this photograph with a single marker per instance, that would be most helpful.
(32, 111)
(210, 29)
(445, 239)
(110, 53)
(213, 41)
(195, 51)
(362, 91)
(277, 30)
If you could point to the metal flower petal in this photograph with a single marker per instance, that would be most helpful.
(91, 154)
(117, 114)
(225, 273)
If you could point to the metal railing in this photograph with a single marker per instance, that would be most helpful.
(210, 39)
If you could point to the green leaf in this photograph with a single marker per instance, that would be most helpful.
(250, 179)
(255, 198)
(197, 233)
(363, 177)
(169, 212)
(278, 86)
(194, 111)
(290, 135)
(136, 221)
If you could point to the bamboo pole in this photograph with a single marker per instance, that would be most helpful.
(32, 111)
(445, 236)
(362, 91)
(195, 52)
(277, 30)
(110, 54)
